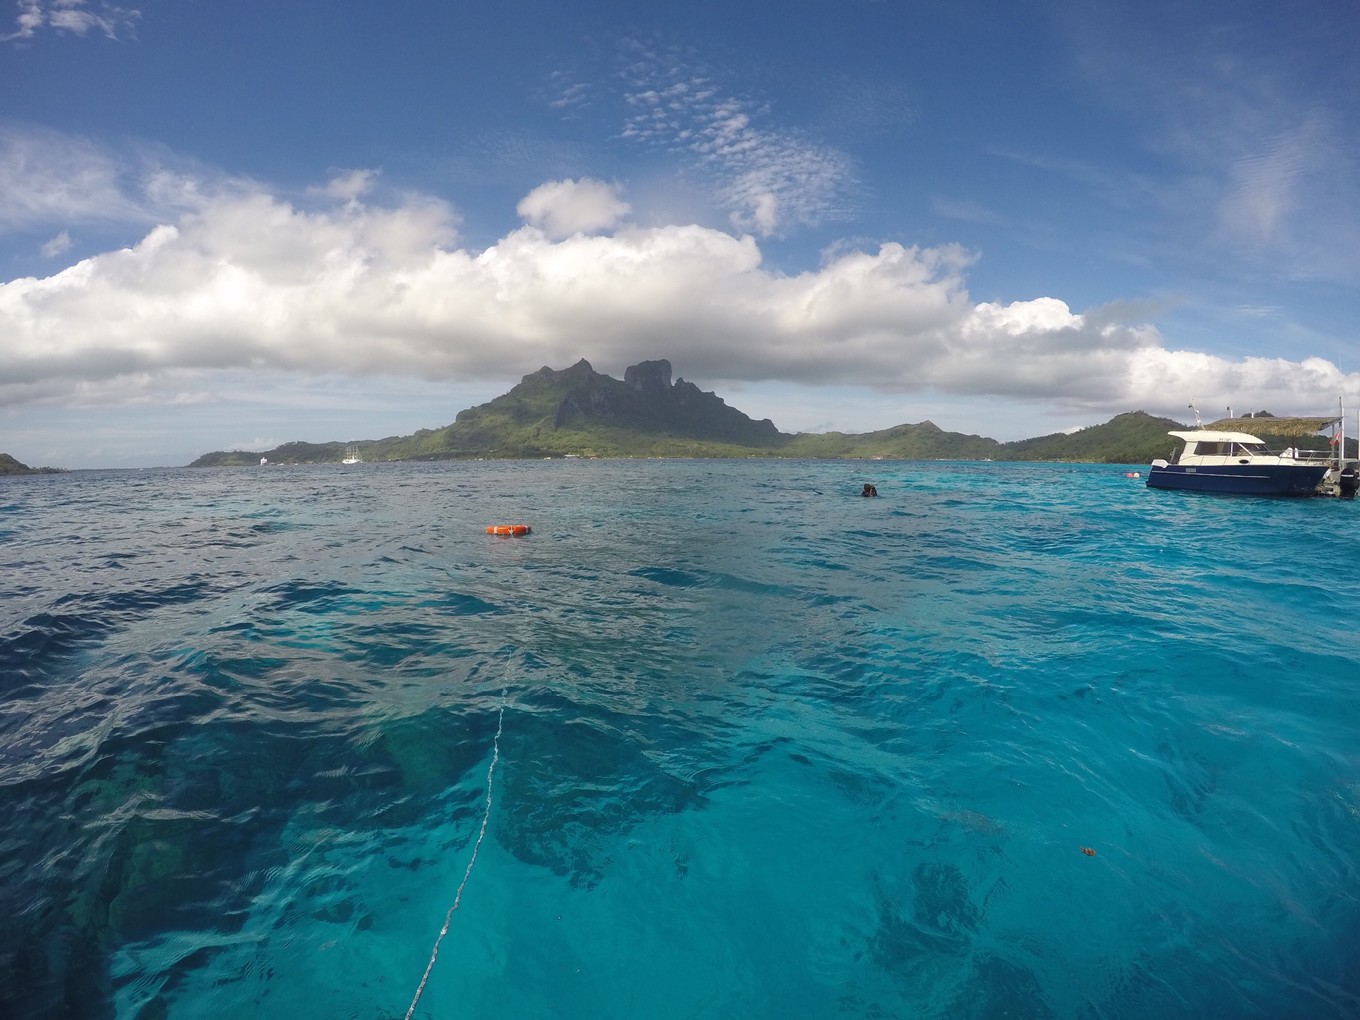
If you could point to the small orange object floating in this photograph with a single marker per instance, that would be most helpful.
(1088, 851)
(508, 530)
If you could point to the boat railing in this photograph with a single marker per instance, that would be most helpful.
(1309, 455)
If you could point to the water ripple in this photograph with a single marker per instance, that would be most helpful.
(769, 749)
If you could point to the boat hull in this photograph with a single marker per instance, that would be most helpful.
(1239, 479)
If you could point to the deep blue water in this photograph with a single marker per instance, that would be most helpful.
(767, 749)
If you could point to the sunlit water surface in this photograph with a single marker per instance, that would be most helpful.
(767, 749)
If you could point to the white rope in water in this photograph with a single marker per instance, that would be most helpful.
(481, 834)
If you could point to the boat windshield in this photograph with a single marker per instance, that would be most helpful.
(1231, 449)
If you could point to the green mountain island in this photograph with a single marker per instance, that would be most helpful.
(10, 466)
(577, 412)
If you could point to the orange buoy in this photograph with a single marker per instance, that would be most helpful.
(508, 530)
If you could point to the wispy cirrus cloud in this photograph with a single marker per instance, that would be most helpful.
(968, 211)
(1273, 182)
(49, 177)
(768, 178)
(1249, 152)
(74, 16)
(58, 245)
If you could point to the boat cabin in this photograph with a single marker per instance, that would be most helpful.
(1205, 447)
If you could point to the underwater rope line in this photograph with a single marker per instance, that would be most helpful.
(481, 834)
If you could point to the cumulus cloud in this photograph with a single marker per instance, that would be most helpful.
(350, 185)
(563, 208)
(245, 280)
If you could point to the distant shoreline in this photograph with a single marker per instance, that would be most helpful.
(10, 466)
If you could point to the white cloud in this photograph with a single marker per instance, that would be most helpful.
(31, 18)
(563, 208)
(1279, 201)
(350, 185)
(768, 179)
(58, 245)
(248, 282)
(1256, 151)
(48, 178)
(73, 16)
(229, 275)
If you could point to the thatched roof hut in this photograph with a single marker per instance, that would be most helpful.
(1271, 426)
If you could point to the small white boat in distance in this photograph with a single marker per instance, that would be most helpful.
(352, 456)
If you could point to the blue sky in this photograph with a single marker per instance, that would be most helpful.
(231, 225)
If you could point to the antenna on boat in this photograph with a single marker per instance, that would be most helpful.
(1340, 431)
(1198, 424)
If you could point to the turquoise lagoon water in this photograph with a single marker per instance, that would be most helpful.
(766, 749)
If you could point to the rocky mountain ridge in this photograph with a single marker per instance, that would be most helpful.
(579, 412)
